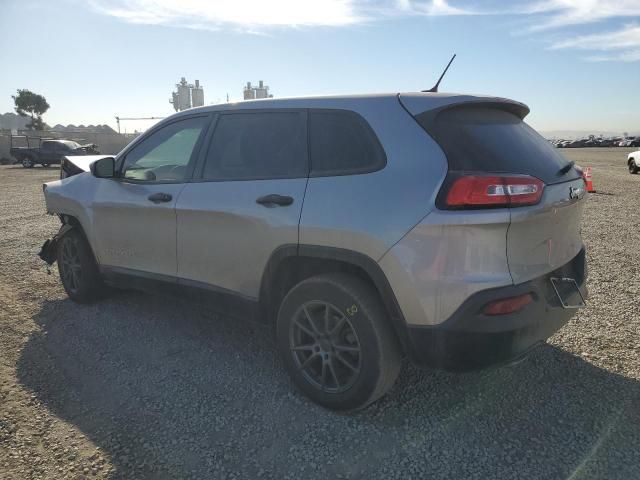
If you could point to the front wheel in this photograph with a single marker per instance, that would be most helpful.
(633, 168)
(78, 269)
(336, 341)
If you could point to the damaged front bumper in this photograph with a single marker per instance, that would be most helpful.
(48, 252)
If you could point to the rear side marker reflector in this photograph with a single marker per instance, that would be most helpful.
(478, 191)
(507, 305)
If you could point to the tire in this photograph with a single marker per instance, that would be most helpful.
(633, 168)
(27, 162)
(326, 367)
(78, 269)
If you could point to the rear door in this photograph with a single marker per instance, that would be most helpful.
(245, 201)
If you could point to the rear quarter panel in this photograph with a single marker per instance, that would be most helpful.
(445, 259)
(369, 213)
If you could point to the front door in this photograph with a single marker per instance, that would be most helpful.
(134, 215)
(245, 200)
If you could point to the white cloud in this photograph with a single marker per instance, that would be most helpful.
(432, 7)
(257, 16)
(623, 45)
(574, 12)
(245, 13)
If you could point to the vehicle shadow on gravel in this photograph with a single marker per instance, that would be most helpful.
(168, 390)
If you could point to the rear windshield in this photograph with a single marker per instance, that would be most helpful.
(482, 139)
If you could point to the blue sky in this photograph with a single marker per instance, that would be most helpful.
(576, 63)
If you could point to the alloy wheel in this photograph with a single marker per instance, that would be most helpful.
(325, 347)
(70, 263)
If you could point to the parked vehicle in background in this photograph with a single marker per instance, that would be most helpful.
(633, 162)
(629, 142)
(439, 227)
(49, 150)
(593, 141)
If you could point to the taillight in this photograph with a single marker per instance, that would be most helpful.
(507, 305)
(492, 191)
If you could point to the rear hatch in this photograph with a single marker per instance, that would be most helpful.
(487, 141)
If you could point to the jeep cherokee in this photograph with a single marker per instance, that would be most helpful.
(434, 226)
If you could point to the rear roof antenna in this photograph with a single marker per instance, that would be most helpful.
(435, 87)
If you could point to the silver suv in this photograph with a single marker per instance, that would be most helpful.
(438, 227)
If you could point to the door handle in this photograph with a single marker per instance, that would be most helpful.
(275, 199)
(160, 197)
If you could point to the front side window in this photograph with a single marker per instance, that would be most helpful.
(166, 153)
(342, 142)
(257, 146)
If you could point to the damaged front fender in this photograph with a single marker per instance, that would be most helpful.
(49, 249)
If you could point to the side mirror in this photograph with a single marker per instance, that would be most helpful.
(104, 168)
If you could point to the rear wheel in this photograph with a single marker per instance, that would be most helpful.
(78, 269)
(27, 162)
(336, 342)
(633, 167)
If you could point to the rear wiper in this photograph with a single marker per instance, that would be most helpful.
(566, 168)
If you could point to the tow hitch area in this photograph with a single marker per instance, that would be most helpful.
(568, 292)
(49, 247)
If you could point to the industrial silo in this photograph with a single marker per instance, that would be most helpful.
(197, 95)
(184, 95)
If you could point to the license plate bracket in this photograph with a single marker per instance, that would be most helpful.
(568, 292)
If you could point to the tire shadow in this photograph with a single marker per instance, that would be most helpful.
(170, 390)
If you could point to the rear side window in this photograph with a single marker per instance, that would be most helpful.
(258, 146)
(482, 139)
(341, 143)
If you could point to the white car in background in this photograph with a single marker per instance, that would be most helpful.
(633, 162)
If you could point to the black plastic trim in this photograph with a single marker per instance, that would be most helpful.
(219, 299)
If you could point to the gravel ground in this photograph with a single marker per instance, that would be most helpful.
(138, 386)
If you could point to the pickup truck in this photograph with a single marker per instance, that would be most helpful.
(48, 151)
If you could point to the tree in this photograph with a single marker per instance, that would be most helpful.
(29, 103)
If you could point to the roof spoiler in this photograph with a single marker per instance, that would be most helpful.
(428, 118)
(430, 105)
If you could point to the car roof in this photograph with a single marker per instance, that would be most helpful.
(414, 101)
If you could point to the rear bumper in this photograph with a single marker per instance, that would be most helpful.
(470, 340)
